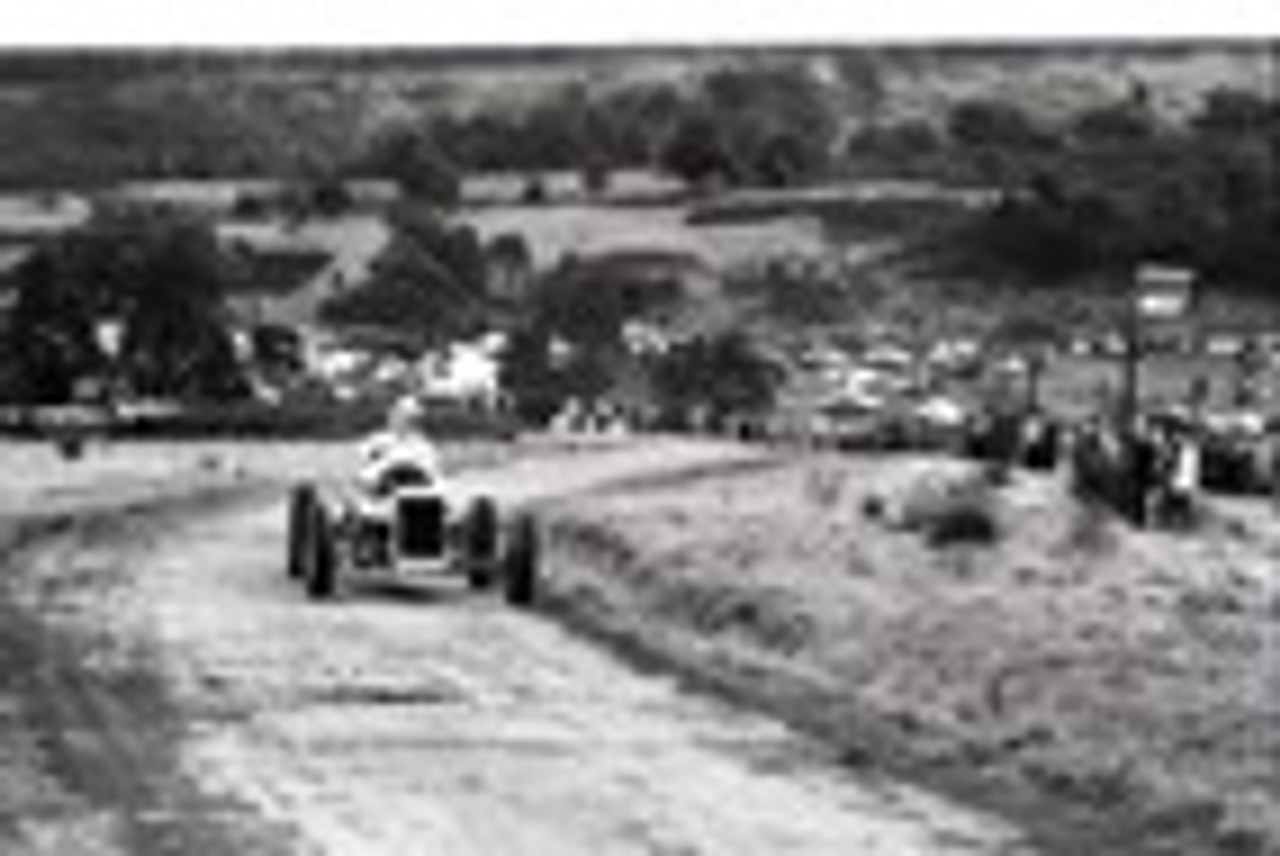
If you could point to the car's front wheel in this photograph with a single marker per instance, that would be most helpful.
(302, 502)
(322, 553)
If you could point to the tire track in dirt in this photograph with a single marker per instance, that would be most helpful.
(98, 736)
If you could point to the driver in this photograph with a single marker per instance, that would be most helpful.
(401, 444)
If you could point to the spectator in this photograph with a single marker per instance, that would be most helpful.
(1271, 461)
(1144, 473)
(1184, 481)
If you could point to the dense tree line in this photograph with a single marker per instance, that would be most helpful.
(1109, 186)
(1123, 188)
(94, 132)
(751, 123)
(159, 279)
(754, 124)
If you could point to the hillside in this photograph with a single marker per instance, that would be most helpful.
(1053, 80)
(1111, 688)
(76, 117)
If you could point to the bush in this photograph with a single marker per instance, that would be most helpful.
(950, 509)
(413, 159)
(962, 522)
(726, 376)
(535, 191)
(429, 281)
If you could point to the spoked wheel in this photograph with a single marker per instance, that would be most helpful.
(302, 503)
(323, 565)
(480, 547)
(521, 562)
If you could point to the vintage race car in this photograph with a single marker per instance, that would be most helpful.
(409, 528)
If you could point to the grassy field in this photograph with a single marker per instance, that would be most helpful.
(585, 229)
(1113, 690)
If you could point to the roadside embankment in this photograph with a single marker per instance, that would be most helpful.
(1113, 690)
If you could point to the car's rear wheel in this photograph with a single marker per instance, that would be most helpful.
(480, 548)
(323, 565)
(302, 502)
(521, 562)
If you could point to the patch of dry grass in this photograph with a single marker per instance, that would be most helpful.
(1116, 689)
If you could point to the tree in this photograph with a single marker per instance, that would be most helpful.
(161, 277)
(1048, 237)
(596, 176)
(412, 158)
(528, 374)
(1235, 112)
(904, 139)
(774, 124)
(788, 158)
(798, 294)
(864, 87)
(589, 302)
(535, 190)
(328, 196)
(697, 151)
(541, 371)
(723, 376)
(430, 281)
(984, 123)
(1118, 124)
(509, 267)
(511, 248)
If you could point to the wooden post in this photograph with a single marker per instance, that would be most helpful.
(1130, 379)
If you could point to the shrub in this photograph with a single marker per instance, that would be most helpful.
(962, 522)
(951, 510)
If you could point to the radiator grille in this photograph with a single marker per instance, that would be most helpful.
(420, 526)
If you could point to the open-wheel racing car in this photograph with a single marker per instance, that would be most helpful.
(409, 527)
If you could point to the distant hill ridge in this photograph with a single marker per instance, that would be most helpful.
(93, 115)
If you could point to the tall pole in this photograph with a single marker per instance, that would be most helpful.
(1130, 377)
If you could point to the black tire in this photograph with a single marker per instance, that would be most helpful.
(322, 576)
(521, 562)
(302, 503)
(480, 547)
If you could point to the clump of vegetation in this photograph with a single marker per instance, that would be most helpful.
(803, 296)
(571, 342)
(722, 377)
(430, 280)
(962, 521)
(156, 276)
(601, 328)
(276, 271)
(747, 124)
(1117, 184)
(947, 510)
(413, 158)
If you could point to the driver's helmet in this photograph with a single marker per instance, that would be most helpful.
(405, 415)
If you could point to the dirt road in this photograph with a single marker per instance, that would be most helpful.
(238, 718)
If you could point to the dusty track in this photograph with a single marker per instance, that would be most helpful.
(423, 721)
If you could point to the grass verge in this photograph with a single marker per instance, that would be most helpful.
(1112, 691)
